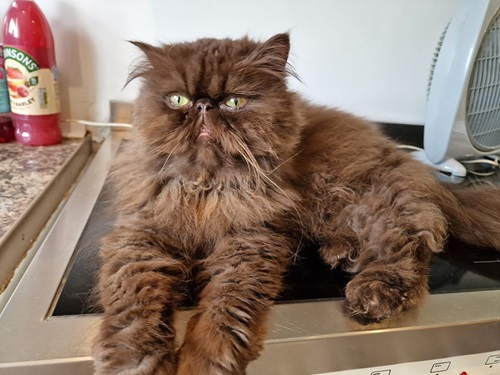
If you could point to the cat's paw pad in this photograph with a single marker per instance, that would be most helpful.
(370, 300)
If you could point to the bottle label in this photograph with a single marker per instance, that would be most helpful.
(33, 90)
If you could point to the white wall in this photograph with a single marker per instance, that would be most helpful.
(371, 57)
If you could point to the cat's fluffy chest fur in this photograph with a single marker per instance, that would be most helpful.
(204, 211)
(197, 210)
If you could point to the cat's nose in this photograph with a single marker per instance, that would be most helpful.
(203, 105)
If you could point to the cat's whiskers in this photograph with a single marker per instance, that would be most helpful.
(250, 160)
(165, 164)
(262, 175)
(283, 162)
(247, 154)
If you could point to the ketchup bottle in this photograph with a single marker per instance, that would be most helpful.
(30, 66)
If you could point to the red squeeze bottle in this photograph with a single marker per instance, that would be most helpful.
(30, 65)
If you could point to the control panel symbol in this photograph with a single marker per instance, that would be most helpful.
(493, 359)
(440, 367)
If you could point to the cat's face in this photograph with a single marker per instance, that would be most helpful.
(216, 102)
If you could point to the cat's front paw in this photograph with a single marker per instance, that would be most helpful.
(376, 296)
(192, 361)
(334, 255)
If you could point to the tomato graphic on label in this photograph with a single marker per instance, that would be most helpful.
(16, 83)
(14, 74)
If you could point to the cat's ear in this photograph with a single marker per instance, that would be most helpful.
(150, 52)
(272, 56)
(152, 57)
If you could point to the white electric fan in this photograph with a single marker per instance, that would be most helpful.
(463, 108)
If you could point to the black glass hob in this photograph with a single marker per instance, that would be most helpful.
(459, 268)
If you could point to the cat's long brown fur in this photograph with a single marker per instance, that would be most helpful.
(217, 201)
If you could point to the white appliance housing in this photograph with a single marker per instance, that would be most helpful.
(463, 109)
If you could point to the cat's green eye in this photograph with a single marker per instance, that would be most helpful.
(177, 100)
(235, 102)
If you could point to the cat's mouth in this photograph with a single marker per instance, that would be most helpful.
(205, 132)
(204, 128)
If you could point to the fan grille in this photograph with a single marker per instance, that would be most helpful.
(483, 105)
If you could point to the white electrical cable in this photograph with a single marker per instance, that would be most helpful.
(493, 162)
(101, 124)
(410, 147)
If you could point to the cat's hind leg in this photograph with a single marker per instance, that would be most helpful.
(227, 330)
(397, 229)
(139, 287)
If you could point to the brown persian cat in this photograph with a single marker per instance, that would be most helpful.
(227, 176)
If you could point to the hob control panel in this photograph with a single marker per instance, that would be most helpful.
(474, 364)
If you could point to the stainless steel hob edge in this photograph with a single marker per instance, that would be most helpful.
(303, 337)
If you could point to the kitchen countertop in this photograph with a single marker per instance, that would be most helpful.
(33, 183)
(24, 172)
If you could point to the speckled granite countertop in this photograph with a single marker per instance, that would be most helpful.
(24, 172)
